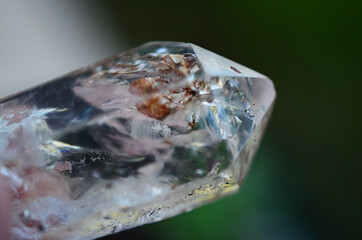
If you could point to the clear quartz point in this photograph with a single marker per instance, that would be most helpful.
(133, 139)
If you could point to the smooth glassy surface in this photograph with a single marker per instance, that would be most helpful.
(135, 138)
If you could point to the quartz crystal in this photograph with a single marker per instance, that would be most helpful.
(133, 139)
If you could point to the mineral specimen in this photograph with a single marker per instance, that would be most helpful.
(133, 139)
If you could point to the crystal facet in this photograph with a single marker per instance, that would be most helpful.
(135, 138)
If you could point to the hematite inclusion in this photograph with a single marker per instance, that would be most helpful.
(133, 139)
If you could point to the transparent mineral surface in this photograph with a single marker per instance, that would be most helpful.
(133, 139)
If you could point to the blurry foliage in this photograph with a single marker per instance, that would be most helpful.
(305, 181)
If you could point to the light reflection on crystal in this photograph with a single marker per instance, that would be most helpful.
(159, 129)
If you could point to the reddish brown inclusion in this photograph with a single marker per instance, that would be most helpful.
(155, 108)
(143, 86)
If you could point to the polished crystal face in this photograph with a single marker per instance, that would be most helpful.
(135, 138)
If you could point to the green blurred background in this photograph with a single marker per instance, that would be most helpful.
(305, 182)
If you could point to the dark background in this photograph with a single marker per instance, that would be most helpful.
(306, 179)
(305, 182)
